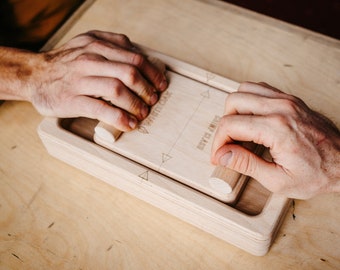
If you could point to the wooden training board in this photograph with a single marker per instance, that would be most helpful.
(166, 161)
(175, 139)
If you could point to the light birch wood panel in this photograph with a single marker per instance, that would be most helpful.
(175, 139)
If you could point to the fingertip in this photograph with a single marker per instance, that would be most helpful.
(154, 98)
(225, 159)
(213, 160)
(161, 69)
(163, 85)
(218, 154)
(132, 122)
(120, 119)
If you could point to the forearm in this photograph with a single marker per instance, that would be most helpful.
(16, 69)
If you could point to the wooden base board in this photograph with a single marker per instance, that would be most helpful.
(249, 222)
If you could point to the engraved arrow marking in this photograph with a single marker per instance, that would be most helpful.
(143, 130)
(210, 76)
(165, 157)
(206, 94)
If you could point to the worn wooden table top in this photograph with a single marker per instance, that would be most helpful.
(53, 216)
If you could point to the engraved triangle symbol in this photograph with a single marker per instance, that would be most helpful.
(143, 130)
(144, 175)
(210, 76)
(206, 94)
(165, 157)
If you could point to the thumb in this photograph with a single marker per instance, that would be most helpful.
(242, 160)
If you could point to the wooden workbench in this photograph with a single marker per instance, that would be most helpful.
(53, 216)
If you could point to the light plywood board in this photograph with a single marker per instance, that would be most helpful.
(176, 137)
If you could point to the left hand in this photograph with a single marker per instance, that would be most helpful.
(90, 70)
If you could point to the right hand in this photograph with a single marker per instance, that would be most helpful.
(305, 146)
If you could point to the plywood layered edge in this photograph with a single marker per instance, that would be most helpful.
(252, 233)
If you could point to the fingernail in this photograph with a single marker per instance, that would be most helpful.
(225, 159)
(163, 85)
(145, 111)
(132, 123)
(154, 99)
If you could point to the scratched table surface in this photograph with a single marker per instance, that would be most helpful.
(53, 216)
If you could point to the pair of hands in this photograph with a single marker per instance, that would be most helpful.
(102, 75)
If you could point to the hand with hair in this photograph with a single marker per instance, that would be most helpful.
(98, 75)
(304, 145)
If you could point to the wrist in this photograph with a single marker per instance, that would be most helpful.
(16, 72)
(333, 166)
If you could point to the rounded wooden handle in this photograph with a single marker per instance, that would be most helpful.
(106, 133)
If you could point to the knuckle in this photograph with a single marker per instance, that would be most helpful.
(91, 32)
(117, 89)
(278, 120)
(285, 130)
(136, 107)
(245, 84)
(138, 60)
(223, 124)
(96, 45)
(290, 105)
(132, 74)
(278, 187)
(118, 117)
(98, 109)
(123, 39)
(84, 58)
(86, 37)
(135, 104)
(230, 99)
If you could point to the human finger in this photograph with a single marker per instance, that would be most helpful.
(151, 72)
(93, 65)
(83, 106)
(254, 104)
(84, 39)
(249, 128)
(131, 54)
(115, 38)
(115, 92)
(261, 88)
(240, 159)
(117, 47)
